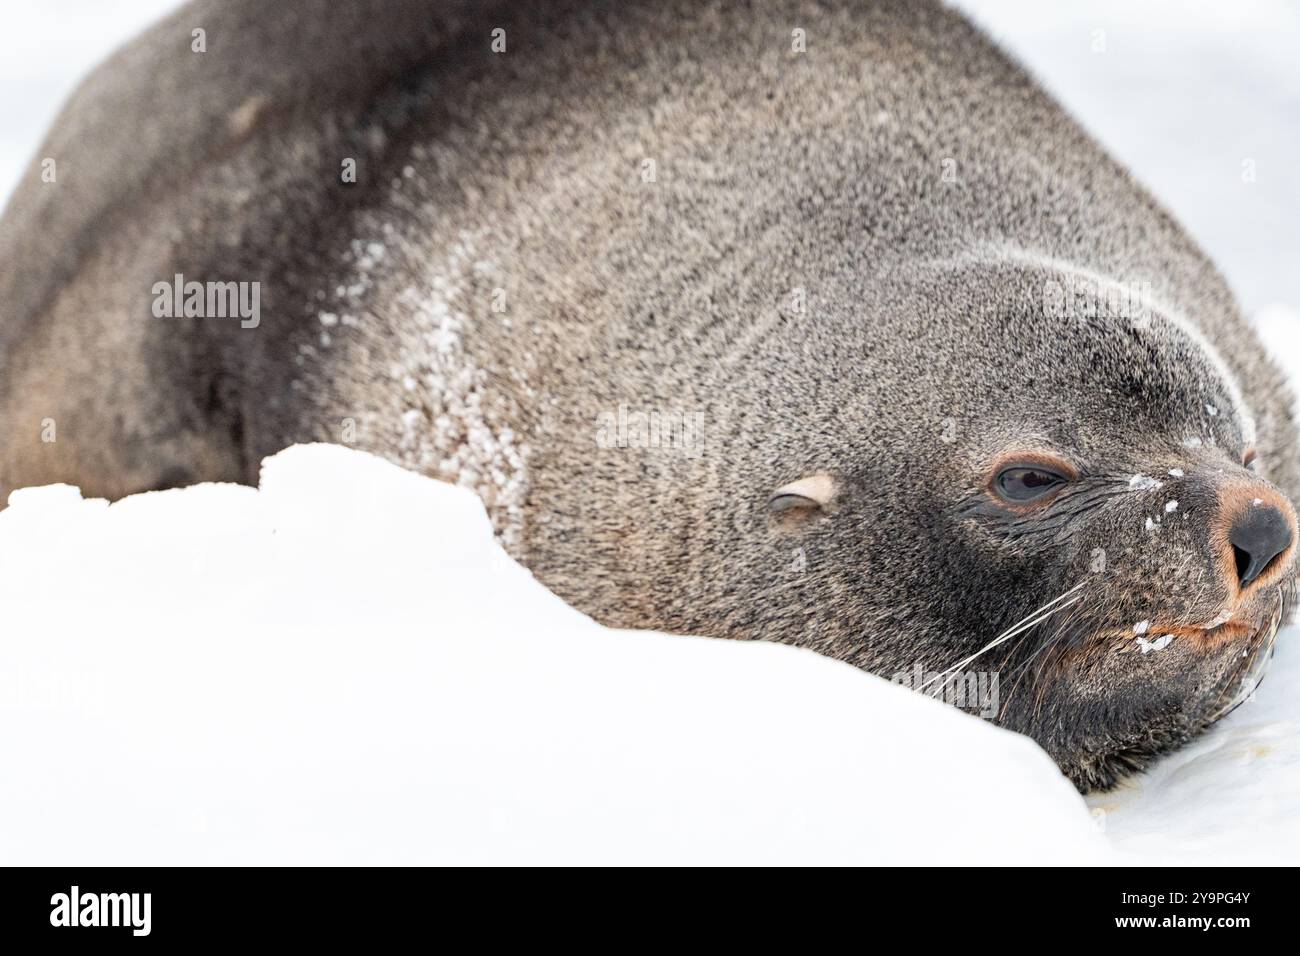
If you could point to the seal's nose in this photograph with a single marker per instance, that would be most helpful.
(1259, 534)
(1254, 532)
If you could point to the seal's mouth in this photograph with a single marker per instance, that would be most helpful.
(1250, 627)
(1257, 641)
(1194, 675)
(1237, 627)
(1247, 632)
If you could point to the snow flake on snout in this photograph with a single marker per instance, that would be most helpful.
(1211, 410)
(1222, 618)
(1141, 627)
(1144, 483)
(1175, 473)
(1159, 644)
(1153, 524)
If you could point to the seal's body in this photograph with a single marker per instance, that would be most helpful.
(810, 323)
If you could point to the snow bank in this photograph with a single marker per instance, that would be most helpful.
(343, 666)
(1228, 798)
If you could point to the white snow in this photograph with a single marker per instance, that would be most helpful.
(1229, 797)
(1144, 483)
(1223, 617)
(344, 666)
(1158, 644)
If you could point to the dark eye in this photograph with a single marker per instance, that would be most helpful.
(1026, 483)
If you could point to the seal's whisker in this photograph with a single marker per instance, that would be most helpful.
(1043, 607)
(1031, 620)
(1062, 629)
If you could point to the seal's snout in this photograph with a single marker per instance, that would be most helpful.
(1258, 531)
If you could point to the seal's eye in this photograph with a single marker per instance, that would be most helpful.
(1022, 483)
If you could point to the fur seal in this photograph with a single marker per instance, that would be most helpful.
(807, 322)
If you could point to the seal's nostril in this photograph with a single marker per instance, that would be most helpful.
(1258, 536)
(1243, 564)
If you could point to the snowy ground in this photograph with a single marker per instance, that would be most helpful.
(342, 666)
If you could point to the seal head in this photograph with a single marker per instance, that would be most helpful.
(1089, 517)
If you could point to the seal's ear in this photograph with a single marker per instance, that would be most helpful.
(814, 492)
